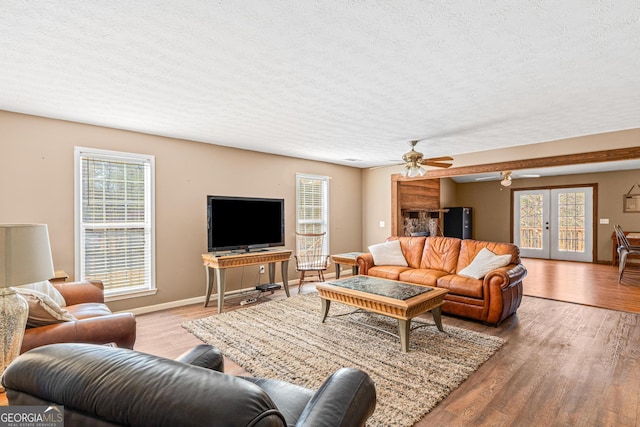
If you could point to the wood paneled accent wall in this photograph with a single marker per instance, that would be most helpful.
(411, 194)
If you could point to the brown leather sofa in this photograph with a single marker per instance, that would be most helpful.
(435, 261)
(95, 323)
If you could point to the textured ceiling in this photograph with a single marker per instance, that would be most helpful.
(328, 80)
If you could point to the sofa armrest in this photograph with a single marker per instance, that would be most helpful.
(117, 328)
(347, 398)
(503, 292)
(506, 276)
(205, 356)
(365, 262)
(81, 292)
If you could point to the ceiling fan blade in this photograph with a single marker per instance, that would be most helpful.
(488, 178)
(435, 164)
(439, 159)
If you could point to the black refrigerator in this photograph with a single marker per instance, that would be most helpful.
(457, 223)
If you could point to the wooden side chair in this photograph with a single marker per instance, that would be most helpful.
(624, 249)
(310, 256)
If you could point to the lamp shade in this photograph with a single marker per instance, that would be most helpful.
(25, 254)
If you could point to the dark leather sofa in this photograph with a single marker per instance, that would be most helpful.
(95, 322)
(104, 386)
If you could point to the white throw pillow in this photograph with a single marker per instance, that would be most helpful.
(48, 289)
(484, 262)
(42, 309)
(388, 253)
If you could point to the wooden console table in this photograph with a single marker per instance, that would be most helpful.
(221, 261)
(634, 240)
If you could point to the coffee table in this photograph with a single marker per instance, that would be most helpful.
(391, 298)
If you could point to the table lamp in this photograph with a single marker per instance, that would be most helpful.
(25, 257)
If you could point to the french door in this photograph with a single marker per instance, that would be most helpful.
(554, 223)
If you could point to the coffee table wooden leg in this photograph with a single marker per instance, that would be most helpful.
(325, 308)
(437, 318)
(404, 326)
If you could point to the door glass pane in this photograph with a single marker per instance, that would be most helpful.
(571, 221)
(531, 221)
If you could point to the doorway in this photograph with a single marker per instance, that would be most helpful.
(554, 223)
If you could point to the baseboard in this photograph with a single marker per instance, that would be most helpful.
(164, 306)
(196, 300)
(183, 302)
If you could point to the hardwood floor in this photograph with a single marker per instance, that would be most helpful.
(160, 332)
(590, 284)
(563, 364)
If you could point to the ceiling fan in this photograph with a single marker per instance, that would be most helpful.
(414, 161)
(506, 177)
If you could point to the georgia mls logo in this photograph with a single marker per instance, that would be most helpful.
(32, 416)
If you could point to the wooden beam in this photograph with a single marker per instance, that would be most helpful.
(540, 162)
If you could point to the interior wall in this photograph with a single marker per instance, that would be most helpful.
(492, 205)
(37, 178)
(491, 209)
(376, 199)
(448, 193)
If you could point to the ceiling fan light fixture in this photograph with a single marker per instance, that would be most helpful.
(414, 161)
(506, 178)
(412, 171)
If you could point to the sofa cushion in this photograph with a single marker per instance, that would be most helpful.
(412, 248)
(391, 272)
(441, 253)
(484, 262)
(470, 248)
(422, 276)
(388, 253)
(291, 399)
(460, 285)
(88, 310)
(42, 309)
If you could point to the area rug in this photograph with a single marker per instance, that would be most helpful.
(285, 340)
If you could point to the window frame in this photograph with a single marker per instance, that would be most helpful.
(324, 222)
(149, 223)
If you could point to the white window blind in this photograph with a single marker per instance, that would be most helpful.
(312, 206)
(114, 220)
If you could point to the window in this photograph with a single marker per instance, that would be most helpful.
(114, 221)
(312, 206)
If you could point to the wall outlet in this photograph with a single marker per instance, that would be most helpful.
(262, 269)
(604, 220)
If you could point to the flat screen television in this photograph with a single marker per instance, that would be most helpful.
(244, 223)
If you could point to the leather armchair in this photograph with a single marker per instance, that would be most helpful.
(105, 386)
(95, 322)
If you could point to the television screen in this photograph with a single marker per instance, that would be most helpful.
(244, 222)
